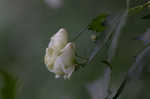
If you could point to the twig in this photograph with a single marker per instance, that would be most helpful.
(80, 32)
(121, 88)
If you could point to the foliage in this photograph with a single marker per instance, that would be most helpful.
(98, 23)
(10, 85)
(146, 17)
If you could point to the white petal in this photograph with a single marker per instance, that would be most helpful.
(65, 62)
(59, 40)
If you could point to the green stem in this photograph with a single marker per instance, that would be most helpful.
(79, 34)
(121, 88)
(82, 57)
(139, 8)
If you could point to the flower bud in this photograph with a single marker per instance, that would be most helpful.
(50, 57)
(57, 42)
(60, 55)
(93, 37)
(65, 63)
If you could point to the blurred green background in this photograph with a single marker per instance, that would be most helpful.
(26, 27)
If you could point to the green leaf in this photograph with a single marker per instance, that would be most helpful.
(136, 9)
(8, 91)
(98, 23)
(101, 43)
(146, 17)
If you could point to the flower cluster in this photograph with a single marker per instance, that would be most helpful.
(60, 55)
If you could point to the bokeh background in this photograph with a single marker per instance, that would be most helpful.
(25, 30)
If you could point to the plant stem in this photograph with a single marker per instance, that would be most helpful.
(82, 57)
(79, 34)
(139, 8)
(121, 88)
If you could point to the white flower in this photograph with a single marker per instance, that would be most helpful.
(57, 42)
(65, 63)
(60, 55)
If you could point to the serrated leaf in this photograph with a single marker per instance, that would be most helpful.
(98, 23)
